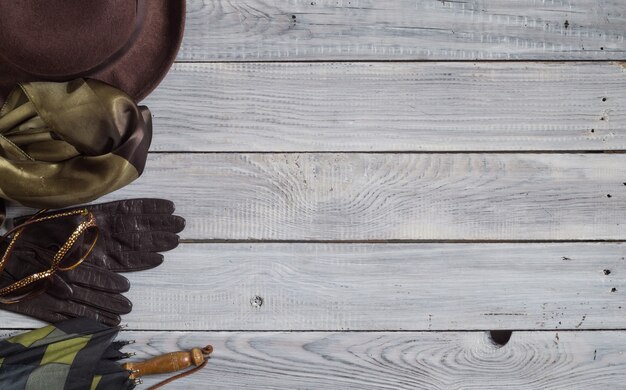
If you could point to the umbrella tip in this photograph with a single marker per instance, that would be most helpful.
(122, 343)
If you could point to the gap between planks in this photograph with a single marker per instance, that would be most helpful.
(374, 242)
(616, 151)
(425, 61)
(8, 331)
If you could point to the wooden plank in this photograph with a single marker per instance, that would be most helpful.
(253, 30)
(530, 360)
(354, 196)
(391, 107)
(380, 287)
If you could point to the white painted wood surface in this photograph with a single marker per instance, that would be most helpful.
(378, 314)
(381, 287)
(357, 196)
(440, 106)
(399, 360)
(283, 30)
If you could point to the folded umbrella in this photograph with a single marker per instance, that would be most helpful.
(75, 354)
(81, 354)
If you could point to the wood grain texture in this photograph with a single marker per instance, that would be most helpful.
(380, 287)
(354, 196)
(391, 107)
(252, 30)
(530, 360)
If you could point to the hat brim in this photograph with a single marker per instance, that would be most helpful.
(140, 68)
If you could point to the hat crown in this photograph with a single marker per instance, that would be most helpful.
(65, 38)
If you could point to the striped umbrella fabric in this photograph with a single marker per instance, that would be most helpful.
(77, 354)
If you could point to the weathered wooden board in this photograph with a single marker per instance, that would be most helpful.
(391, 107)
(252, 30)
(383, 287)
(355, 196)
(380, 287)
(530, 360)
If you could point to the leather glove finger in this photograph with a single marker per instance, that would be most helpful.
(134, 206)
(102, 301)
(127, 261)
(51, 309)
(59, 288)
(138, 242)
(35, 308)
(140, 206)
(73, 309)
(122, 223)
(132, 252)
(95, 278)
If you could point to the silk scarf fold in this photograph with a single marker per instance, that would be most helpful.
(63, 144)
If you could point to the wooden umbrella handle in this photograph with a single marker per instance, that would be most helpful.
(168, 363)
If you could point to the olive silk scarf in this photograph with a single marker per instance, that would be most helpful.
(67, 143)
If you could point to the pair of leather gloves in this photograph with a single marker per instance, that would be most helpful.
(131, 233)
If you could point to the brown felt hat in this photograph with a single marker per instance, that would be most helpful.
(129, 44)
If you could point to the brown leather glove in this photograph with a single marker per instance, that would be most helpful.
(131, 233)
(86, 291)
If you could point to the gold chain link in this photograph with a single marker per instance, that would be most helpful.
(90, 222)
